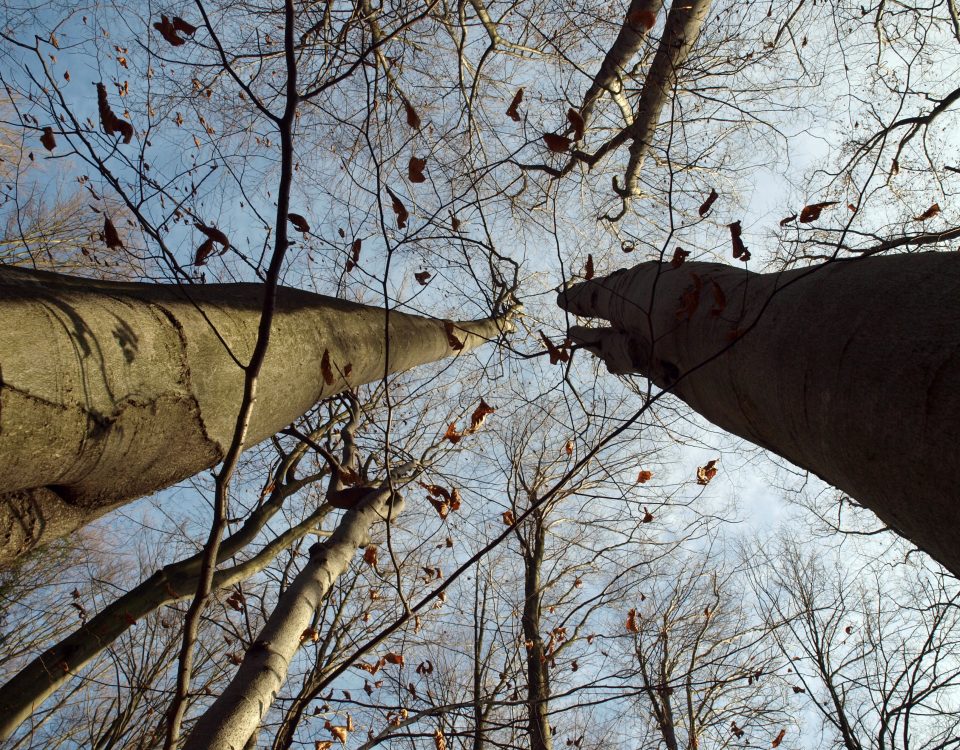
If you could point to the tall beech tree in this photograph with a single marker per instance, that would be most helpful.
(850, 369)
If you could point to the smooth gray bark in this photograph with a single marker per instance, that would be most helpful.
(111, 391)
(850, 370)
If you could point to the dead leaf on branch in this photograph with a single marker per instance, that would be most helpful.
(588, 268)
(399, 209)
(370, 555)
(739, 249)
(168, 29)
(679, 257)
(778, 739)
(813, 211)
(707, 472)
(214, 234)
(788, 220)
(110, 123)
(452, 434)
(415, 169)
(299, 223)
(479, 415)
(512, 111)
(354, 258)
(439, 741)
(929, 213)
(422, 277)
(644, 476)
(110, 235)
(48, 140)
(647, 516)
(508, 519)
(393, 658)
(558, 144)
(413, 119)
(708, 203)
(557, 353)
(631, 623)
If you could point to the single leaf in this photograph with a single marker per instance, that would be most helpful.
(679, 256)
(788, 220)
(214, 234)
(813, 211)
(576, 121)
(168, 31)
(399, 209)
(48, 140)
(928, 214)
(644, 476)
(415, 169)
(588, 269)
(299, 223)
(323, 744)
(439, 741)
(631, 623)
(354, 258)
(507, 517)
(455, 343)
(108, 120)
(479, 415)
(452, 434)
(183, 26)
(707, 472)
(413, 119)
(557, 354)
(310, 634)
(370, 555)
(778, 739)
(558, 144)
(512, 111)
(325, 368)
(708, 203)
(393, 658)
(647, 516)
(340, 734)
(441, 506)
(203, 252)
(422, 277)
(569, 448)
(739, 249)
(110, 235)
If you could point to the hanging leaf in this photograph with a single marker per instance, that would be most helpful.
(110, 235)
(928, 214)
(310, 634)
(813, 211)
(422, 277)
(413, 119)
(557, 354)
(706, 473)
(778, 739)
(354, 258)
(647, 516)
(735, 730)
(894, 168)
(393, 658)
(415, 169)
(399, 209)
(644, 476)
(325, 368)
(739, 249)
(569, 448)
(558, 144)
(168, 31)
(679, 256)
(299, 223)
(48, 140)
(480, 415)
(108, 120)
(708, 203)
(370, 555)
(576, 121)
(441, 506)
(452, 434)
(631, 623)
(791, 218)
(512, 111)
(339, 733)
(507, 517)
(203, 252)
(214, 234)
(323, 744)
(455, 343)
(183, 27)
(588, 269)
(439, 741)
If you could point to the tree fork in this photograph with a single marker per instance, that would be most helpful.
(110, 391)
(850, 369)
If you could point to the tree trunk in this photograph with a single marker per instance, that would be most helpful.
(538, 678)
(110, 391)
(236, 714)
(850, 369)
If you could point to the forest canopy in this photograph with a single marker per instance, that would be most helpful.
(479, 374)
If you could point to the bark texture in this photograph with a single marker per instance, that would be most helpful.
(111, 391)
(850, 369)
(235, 716)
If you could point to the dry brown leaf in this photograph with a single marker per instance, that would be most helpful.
(588, 269)
(108, 120)
(354, 258)
(415, 169)
(168, 31)
(647, 516)
(512, 111)
(339, 733)
(812, 212)
(322, 745)
(439, 741)
(370, 555)
(422, 277)
(558, 144)
(778, 739)
(644, 476)
(48, 140)
(452, 434)
(789, 219)
(479, 415)
(569, 448)
(679, 257)
(183, 27)
(507, 517)
(214, 234)
(441, 506)
(631, 622)
(708, 203)
(557, 354)
(706, 473)
(399, 209)
(110, 235)
(393, 658)
(299, 223)
(413, 119)
(928, 214)
(739, 249)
